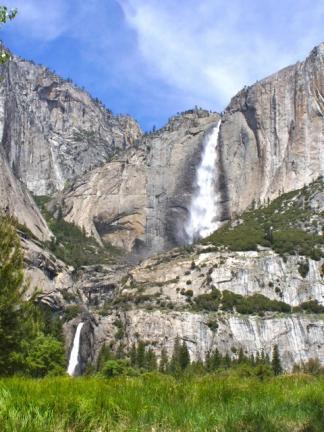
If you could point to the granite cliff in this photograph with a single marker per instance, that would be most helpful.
(210, 295)
(270, 141)
(140, 201)
(272, 135)
(52, 131)
(134, 191)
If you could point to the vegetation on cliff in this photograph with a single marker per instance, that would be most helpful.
(71, 244)
(290, 225)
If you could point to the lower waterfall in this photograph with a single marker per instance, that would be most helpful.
(203, 208)
(74, 356)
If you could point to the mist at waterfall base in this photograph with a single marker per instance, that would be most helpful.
(74, 356)
(203, 208)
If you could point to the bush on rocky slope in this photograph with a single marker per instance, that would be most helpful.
(71, 244)
(289, 225)
(229, 301)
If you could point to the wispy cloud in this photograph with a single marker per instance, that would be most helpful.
(212, 48)
(39, 19)
(153, 58)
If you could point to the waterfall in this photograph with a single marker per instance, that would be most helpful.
(203, 208)
(74, 356)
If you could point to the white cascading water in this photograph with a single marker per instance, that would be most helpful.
(74, 356)
(203, 208)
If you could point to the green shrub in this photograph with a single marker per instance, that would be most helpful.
(44, 355)
(229, 301)
(208, 301)
(303, 268)
(113, 368)
(311, 306)
(72, 311)
(212, 324)
(280, 225)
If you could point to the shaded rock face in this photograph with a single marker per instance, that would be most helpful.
(52, 130)
(272, 135)
(53, 277)
(98, 285)
(16, 201)
(140, 201)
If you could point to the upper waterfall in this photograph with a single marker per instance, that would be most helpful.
(203, 208)
(74, 356)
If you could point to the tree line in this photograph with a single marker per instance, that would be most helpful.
(142, 358)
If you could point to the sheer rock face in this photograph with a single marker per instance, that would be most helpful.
(272, 135)
(244, 273)
(150, 300)
(16, 201)
(299, 338)
(52, 131)
(271, 140)
(140, 201)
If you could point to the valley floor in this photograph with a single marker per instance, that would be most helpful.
(154, 402)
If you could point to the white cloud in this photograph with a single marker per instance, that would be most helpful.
(39, 19)
(182, 52)
(212, 48)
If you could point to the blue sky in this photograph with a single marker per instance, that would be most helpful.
(153, 58)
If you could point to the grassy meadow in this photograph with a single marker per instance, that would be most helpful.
(155, 402)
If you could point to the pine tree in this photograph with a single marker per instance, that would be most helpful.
(6, 15)
(133, 355)
(252, 360)
(120, 353)
(208, 361)
(105, 354)
(227, 361)
(22, 323)
(241, 357)
(184, 356)
(276, 362)
(150, 360)
(164, 361)
(174, 365)
(140, 357)
(215, 360)
(13, 320)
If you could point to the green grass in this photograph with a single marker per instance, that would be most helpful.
(293, 223)
(155, 402)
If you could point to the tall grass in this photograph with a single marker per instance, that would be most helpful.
(155, 402)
